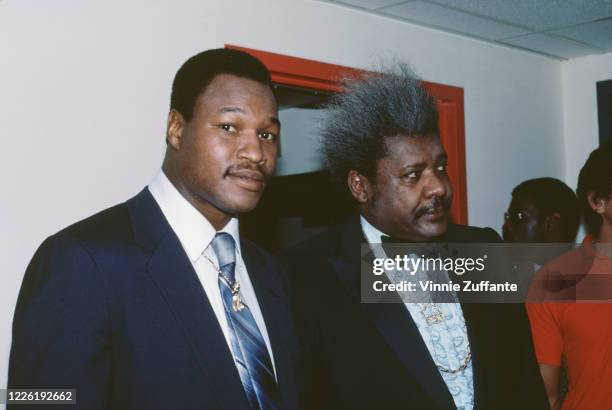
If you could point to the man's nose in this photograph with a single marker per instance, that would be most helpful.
(436, 186)
(251, 148)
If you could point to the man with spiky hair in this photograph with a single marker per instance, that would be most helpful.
(381, 141)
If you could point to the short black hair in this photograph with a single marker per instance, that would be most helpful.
(595, 176)
(196, 73)
(370, 109)
(549, 195)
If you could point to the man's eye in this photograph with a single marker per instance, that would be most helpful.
(227, 127)
(267, 136)
(414, 175)
(442, 168)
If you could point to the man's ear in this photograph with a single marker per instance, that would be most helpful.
(359, 186)
(597, 204)
(174, 129)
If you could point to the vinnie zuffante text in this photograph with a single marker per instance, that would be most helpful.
(410, 265)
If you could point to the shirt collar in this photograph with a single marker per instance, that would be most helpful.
(191, 227)
(372, 234)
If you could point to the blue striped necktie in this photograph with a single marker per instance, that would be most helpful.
(249, 348)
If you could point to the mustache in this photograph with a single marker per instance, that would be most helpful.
(253, 171)
(435, 205)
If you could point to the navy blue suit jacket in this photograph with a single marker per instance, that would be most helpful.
(113, 308)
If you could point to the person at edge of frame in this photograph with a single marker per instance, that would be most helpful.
(570, 303)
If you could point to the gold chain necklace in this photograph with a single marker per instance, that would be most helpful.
(463, 366)
(434, 317)
(237, 304)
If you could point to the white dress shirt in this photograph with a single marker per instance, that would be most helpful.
(196, 233)
(446, 342)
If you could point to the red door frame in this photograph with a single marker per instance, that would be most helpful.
(315, 75)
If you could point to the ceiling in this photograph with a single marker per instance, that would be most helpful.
(561, 29)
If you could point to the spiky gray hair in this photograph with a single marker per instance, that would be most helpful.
(393, 103)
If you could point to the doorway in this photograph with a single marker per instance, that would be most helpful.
(301, 199)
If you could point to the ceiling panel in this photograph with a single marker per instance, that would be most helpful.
(434, 15)
(598, 33)
(371, 4)
(536, 14)
(560, 29)
(552, 45)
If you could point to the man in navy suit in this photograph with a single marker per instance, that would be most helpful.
(382, 140)
(158, 303)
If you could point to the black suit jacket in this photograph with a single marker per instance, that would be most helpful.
(112, 307)
(372, 356)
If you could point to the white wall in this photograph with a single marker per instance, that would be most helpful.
(84, 94)
(581, 135)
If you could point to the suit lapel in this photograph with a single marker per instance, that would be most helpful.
(392, 320)
(479, 326)
(274, 309)
(477, 331)
(171, 270)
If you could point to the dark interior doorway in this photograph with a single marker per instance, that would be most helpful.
(294, 208)
(604, 110)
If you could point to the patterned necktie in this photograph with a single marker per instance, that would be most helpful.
(249, 348)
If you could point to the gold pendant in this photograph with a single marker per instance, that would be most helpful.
(237, 304)
(434, 318)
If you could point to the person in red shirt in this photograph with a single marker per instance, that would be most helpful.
(576, 330)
